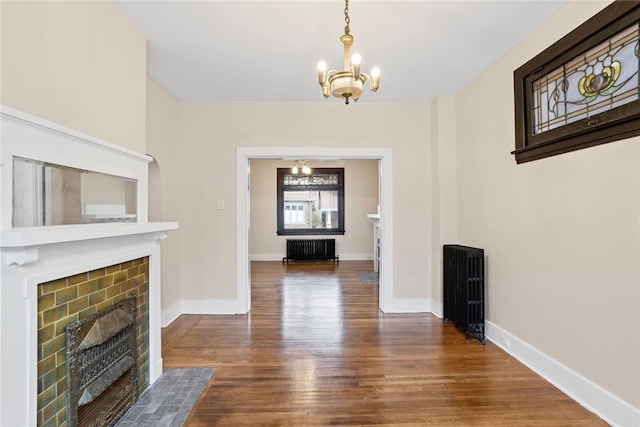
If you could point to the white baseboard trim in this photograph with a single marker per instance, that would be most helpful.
(211, 306)
(355, 257)
(343, 257)
(266, 257)
(169, 315)
(408, 305)
(436, 308)
(596, 399)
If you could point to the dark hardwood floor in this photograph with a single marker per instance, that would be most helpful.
(315, 351)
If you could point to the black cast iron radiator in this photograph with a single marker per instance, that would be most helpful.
(463, 289)
(310, 250)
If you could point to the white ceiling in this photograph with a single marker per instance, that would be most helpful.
(266, 51)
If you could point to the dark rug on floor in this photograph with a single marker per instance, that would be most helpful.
(168, 402)
(368, 277)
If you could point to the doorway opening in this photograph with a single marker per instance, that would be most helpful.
(243, 194)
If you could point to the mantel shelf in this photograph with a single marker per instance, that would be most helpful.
(26, 237)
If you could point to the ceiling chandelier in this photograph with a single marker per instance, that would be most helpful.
(304, 166)
(348, 83)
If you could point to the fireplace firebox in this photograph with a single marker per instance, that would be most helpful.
(102, 374)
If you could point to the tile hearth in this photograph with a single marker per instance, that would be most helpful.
(168, 402)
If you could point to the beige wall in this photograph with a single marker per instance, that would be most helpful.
(80, 64)
(444, 191)
(561, 234)
(361, 198)
(164, 205)
(209, 135)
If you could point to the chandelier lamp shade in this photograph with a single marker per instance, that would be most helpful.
(350, 82)
(303, 166)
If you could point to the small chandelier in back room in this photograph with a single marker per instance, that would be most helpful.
(348, 83)
(304, 165)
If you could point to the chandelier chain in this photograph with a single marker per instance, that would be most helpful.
(347, 20)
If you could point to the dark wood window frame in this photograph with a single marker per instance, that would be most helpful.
(612, 125)
(281, 188)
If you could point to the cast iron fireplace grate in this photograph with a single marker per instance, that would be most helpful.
(102, 374)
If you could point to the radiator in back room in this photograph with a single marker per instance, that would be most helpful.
(310, 250)
(463, 289)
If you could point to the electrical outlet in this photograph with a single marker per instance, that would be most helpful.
(505, 341)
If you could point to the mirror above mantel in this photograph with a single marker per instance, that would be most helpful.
(60, 186)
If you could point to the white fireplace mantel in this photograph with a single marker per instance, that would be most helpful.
(31, 256)
(21, 245)
(29, 259)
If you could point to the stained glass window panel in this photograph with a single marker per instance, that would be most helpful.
(314, 179)
(600, 79)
